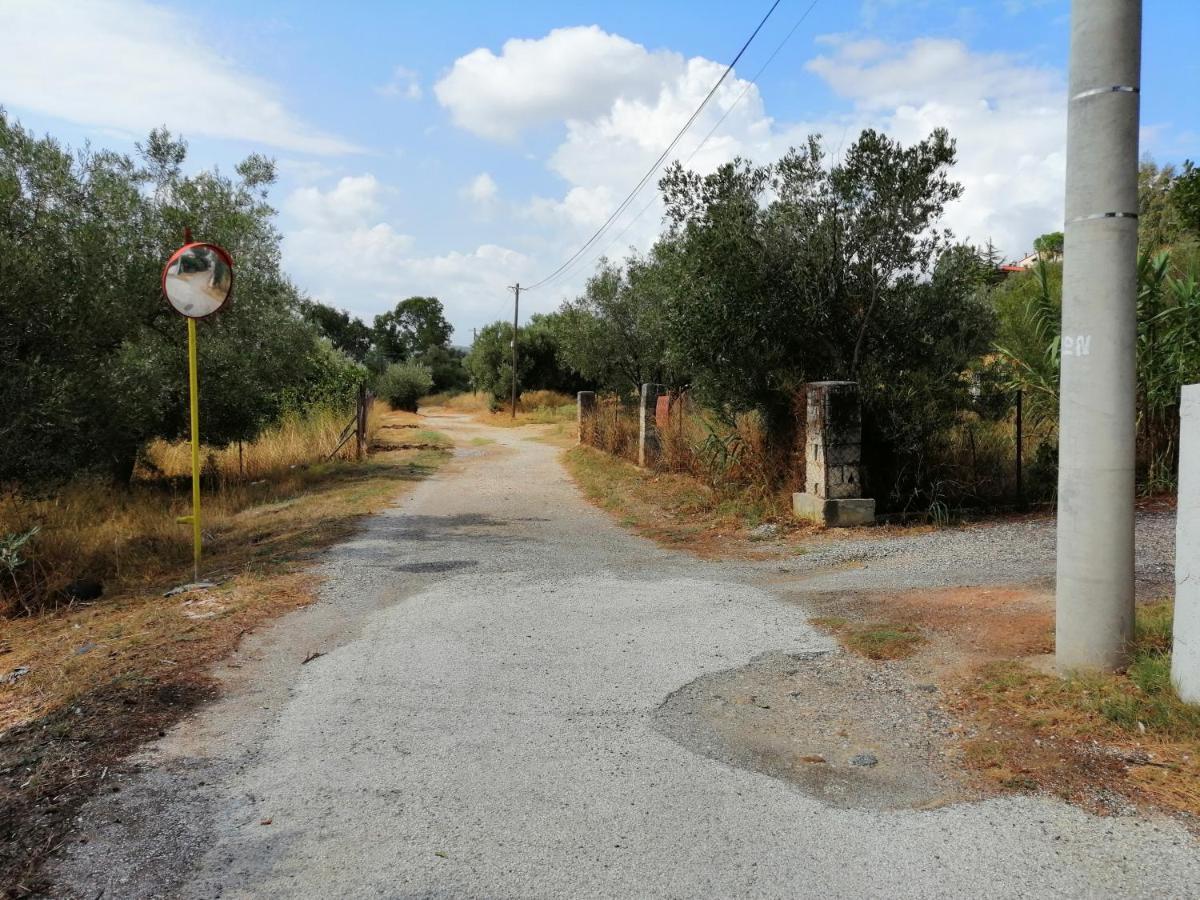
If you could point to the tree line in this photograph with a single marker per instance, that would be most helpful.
(93, 363)
(770, 276)
(766, 276)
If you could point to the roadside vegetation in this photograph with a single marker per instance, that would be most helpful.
(874, 640)
(674, 509)
(93, 363)
(1126, 734)
(95, 466)
(91, 538)
(534, 407)
(770, 276)
(87, 680)
(1107, 742)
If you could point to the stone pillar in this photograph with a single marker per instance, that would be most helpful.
(1185, 658)
(833, 458)
(585, 409)
(648, 445)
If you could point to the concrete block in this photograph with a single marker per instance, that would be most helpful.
(842, 482)
(843, 454)
(1185, 658)
(834, 513)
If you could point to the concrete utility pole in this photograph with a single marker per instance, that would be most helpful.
(1094, 607)
(516, 289)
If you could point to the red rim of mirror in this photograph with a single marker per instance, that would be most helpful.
(221, 252)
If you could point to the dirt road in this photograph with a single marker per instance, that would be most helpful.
(502, 709)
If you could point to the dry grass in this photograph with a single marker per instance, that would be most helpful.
(874, 640)
(533, 408)
(734, 458)
(1102, 741)
(613, 428)
(92, 530)
(297, 440)
(676, 510)
(107, 675)
(253, 534)
(1095, 739)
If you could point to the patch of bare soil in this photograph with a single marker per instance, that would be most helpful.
(963, 627)
(853, 733)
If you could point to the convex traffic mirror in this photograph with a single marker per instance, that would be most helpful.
(198, 279)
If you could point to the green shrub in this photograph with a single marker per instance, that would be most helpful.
(403, 384)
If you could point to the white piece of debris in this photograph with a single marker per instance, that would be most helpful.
(190, 587)
(765, 531)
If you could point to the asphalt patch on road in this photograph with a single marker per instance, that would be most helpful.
(847, 731)
(433, 568)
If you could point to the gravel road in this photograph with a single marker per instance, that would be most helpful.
(486, 721)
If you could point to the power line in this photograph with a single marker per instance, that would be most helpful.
(641, 183)
(749, 84)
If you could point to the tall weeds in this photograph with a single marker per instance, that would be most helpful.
(95, 530)
(613, 428)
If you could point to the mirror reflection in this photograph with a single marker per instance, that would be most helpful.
(198, 282)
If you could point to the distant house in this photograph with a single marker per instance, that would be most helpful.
(1029, 260)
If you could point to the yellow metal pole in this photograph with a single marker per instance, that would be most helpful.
(194, 390)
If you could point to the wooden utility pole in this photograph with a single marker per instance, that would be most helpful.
(516, 289)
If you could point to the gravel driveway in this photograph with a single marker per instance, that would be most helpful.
(483, 723)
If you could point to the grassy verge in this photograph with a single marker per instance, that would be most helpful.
(673, 509)
(1096, 739)
(103, 677)
(116, 538)
(1102, 741)
(874, 640)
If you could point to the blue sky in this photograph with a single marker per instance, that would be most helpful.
(457, 147)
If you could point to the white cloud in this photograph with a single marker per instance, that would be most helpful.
(619, 104)
(481, 190)
(335, 238)
(351, 202)
(603, 156)
(127, 65)
(572, 73)
(1008, 117)
(616, 148)
(877, 75)
(341, 250)
(305, 171)
(404, 83)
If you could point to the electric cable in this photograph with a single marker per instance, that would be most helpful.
(642, 182)
(749, 84)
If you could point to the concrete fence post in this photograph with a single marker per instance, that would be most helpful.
(1185, 657)
(648, 444)
(585, 409)
(833, 458)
